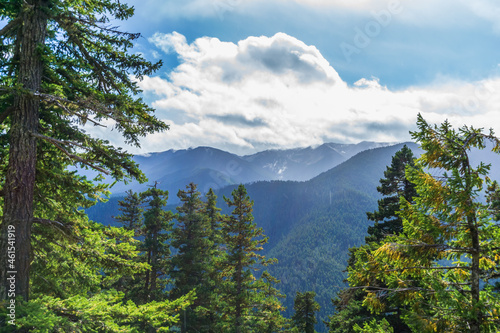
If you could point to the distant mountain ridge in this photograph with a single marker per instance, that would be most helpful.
(214, 168)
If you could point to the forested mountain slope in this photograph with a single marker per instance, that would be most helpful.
(312, 224)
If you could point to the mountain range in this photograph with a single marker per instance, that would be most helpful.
(214, 168)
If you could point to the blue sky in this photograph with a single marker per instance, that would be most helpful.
(249, 75)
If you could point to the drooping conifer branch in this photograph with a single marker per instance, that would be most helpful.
(58, 144)
(6, 113)
(10, 26)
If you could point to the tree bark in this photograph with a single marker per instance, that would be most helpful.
(475, 324)
(20, 176)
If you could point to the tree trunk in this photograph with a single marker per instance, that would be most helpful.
(20, 177)
(154, 268)
(475, 324)
(146, 285)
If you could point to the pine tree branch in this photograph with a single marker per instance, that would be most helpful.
(47, 222)
(442, 247)
(7, 112)
(84, 105)
(62, 142)
(423, 267)
(58, 101)
(95, 24)
(11, 25)
(100, 69)
(82, 117)
(373, 288)
(58, 143)
(56, 224)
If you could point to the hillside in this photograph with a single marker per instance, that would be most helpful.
(312, 224)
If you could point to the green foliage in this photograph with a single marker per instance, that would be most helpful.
(103, 312)
(158, 225)
(242, 240)
(441, 265)
(392, 187)
(268, 315)
(194, 262)
(95, 257)
(374, 327)
(305, 308)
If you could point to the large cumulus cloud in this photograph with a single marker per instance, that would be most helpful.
(268, 92)
(277, 92)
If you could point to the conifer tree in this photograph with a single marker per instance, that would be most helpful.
(158, 226)
(268, 314)
(192, 265)
(217, 255)
(132, 220)
(448, 220)
(392, 187)
(62, 66)
(214, 216)
(243, 241)
(131, 209)
(305, 308)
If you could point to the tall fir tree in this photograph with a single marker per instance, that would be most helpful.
(493, 199)
(243, 242)
(63, 66)
(132, 219)
(392, 187)
(131, 212)
(217, 255)
(192, 264)
(305, 308)
(214, 216)
(158, 224)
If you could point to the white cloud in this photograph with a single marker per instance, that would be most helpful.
(268, 92)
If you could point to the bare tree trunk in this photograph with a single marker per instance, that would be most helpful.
(20, 178)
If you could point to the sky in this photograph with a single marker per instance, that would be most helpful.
(250, 75)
